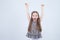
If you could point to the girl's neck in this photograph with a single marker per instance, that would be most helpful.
(34, 21)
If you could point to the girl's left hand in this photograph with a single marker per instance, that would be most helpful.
(42, 5)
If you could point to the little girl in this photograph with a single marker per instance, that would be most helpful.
(34, 28)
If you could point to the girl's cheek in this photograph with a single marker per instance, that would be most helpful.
(32, 17)
(37, 17)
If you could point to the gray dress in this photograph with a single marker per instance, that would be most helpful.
(35, 34)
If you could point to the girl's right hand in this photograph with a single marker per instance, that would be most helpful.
(26, 4)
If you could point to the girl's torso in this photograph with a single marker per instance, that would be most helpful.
(33, 28)
(34, 32)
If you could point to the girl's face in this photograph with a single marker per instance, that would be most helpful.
(34, 16)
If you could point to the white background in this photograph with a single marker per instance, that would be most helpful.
(14, 23)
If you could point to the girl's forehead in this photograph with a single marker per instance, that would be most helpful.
(35, 14)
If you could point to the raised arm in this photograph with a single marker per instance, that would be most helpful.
(42, 11)
(27, 11)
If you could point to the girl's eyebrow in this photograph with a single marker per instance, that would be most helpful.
(32, 15)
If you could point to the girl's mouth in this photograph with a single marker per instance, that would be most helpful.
(34, 18)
